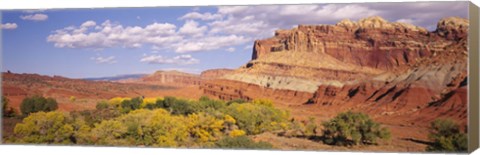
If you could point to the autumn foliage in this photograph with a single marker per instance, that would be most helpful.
(159, 122)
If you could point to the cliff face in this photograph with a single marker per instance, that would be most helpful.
(215, 73)
(174, 78)
(382, 67)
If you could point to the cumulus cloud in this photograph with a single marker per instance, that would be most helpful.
(201, 16)
(104, 60)
(161, 36)
(209, 43)
(261, 21)
(108, 34)
(35, 17)
(89, 23)
(192, 28)
(184, 59)
(8, 26)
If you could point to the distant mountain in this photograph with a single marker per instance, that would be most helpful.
(117, 78)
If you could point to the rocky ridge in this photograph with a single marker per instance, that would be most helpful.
(382, 67)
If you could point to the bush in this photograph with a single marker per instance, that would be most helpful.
(102, 105)
(46, 128)
(130, 105)
(38, 103)
(6, 110)
(73, 98)
(242, 142)
(182, 107)
(310, 127)
(446, 137)
(352, 128)
(258, 118)
(239, 101)
(171, 122)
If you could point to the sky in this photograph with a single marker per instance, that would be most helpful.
(100, 42)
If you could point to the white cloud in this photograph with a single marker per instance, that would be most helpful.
(231, 49)
(89, 23)
(35, 17)
(8, 26)
(108, 34)
(209, 43)
(204, 16)
(261, 21)
(184, 59)
(104, 60)
(192, 28)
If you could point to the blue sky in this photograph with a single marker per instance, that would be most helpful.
(79, 43)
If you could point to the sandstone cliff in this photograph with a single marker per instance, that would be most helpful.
(173, 78)
(376, 66)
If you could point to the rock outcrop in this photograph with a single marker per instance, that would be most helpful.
(372, 65)
(215, 73)
(174, 78)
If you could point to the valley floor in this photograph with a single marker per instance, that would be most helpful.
(404, 138)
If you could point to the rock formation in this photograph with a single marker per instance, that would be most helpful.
(174, 78)
(215, 73)
(372, 65)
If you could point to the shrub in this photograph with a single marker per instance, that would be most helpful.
(166, 103)
(446, 137)
(46, 128)
(102, 105)
(182, 107)
(352, 128)
(236, 133)
(310, 127)
(132, 104)
(38, 103)
(204, 128)
(6, 110)
(258, 118)
(149, 103)
(242, 142)
(73, 98)
(109, 132)
(239, 101)
(207, 105)
(103, 112)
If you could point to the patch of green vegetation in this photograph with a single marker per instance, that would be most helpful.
(160, 122)
(242, 142)
(351, 128)
(37, 103)
(447, 137)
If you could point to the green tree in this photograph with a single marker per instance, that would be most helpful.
(182, 107)
(36, 104)
(7, 111)
(447, 137)
(351, 128)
